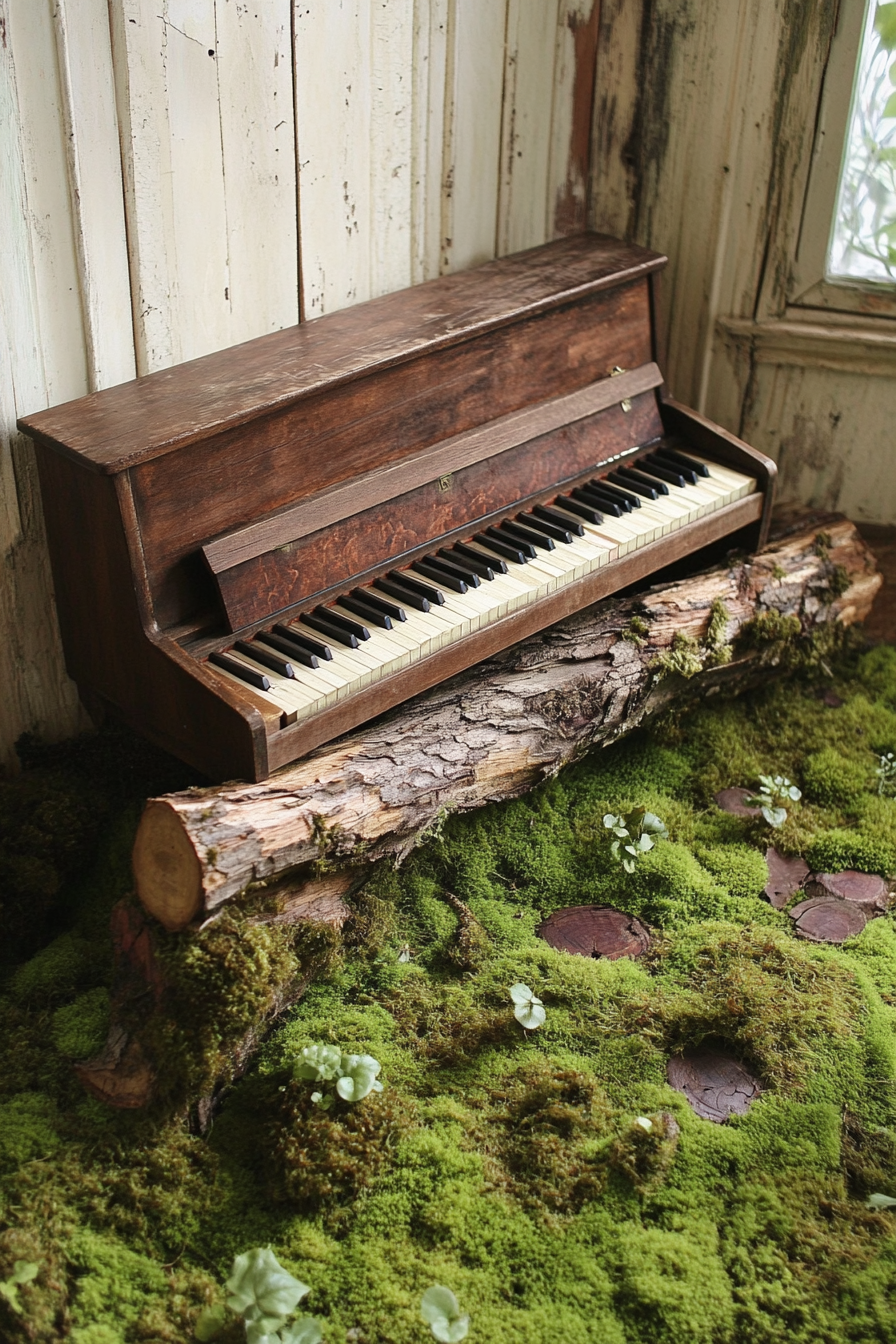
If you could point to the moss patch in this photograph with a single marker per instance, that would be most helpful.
(552, 1179)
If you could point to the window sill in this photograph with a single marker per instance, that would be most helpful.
(841, 344)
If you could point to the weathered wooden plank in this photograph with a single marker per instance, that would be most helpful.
(87, 87)
(43, 354)
(253, 63)
(526, 133)
(430, 50)
(55, 283)
(205, 106)
(572, 110)
(354, 116)
(474, 100)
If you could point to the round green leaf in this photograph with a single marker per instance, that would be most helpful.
(358, 1077)
(441, 1312)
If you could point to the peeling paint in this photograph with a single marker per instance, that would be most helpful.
(570, 210)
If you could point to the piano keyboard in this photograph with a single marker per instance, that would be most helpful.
(308, 662)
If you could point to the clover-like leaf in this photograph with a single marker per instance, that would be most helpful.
(615, 850)
(644, 1122)
(775, 816)
(653, 825)
(323, 1100)
(319, 1063)
(262, 1291)
(305, 1330)
(794, 793)
(645, 843)
(440, 1310)
(880, 1202)
(359, 1077)
(628, 865)
(527, 1007)
(610, 821)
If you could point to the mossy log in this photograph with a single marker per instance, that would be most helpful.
(496, 730)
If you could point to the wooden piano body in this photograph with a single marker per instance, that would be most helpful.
(203, 502)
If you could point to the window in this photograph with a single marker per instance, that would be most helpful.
(846, 257)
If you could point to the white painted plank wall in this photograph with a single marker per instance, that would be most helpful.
(204, 92)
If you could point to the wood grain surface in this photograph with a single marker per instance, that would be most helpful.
(595, 931)
(786, 876)
(828, 919)
(715, 1084)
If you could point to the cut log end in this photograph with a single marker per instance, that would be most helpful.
(595, 931)
(865, 889)
(715, 1085)
(735, 802)
(167, 870)
(786, 877)
(828, 919)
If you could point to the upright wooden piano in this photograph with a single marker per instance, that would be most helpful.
(256, 551)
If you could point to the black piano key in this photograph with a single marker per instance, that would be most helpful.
(623, 497)
(267, 657)
(438, 575)
(432, 595)
(655, 466)
(534, 536)
(343, 622)
(605, 503)
(486, 569)
(335, 633)
(454, 567)
(580, 508)
(666, 459)
(502, 548)
(379, 603)
(638, 474)
(304, 641)
(402, 594)
(700, 467)
(554, 530)
(246, 674)
(290, 647)
(560, 520)
(502, 533)
(638, 487)
(367, 611)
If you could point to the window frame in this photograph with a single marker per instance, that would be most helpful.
(809, 287)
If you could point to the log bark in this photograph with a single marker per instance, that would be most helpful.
(496, 730)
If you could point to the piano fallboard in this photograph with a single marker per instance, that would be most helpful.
(204, 521)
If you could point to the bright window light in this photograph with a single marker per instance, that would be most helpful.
(863, 239)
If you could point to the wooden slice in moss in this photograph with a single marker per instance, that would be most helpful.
(785, 877)
(735, 801)
(827, 919)
(865, 889)
(716, 1085)
(595, 931)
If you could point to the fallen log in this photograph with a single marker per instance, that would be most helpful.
(496, 730)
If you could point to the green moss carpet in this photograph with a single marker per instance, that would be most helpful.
(504, 1164)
